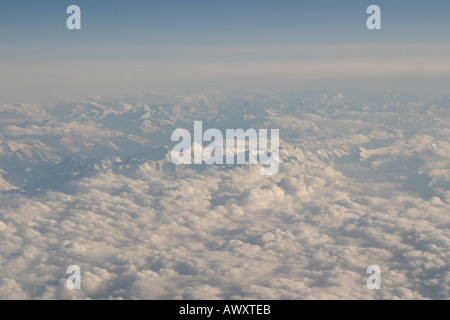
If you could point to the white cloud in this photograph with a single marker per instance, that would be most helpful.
(142, 229)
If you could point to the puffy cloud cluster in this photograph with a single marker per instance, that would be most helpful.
(358, 185)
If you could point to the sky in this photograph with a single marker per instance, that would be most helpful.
(135, 46)
(364, 176)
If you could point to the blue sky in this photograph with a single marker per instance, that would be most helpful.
(213, 22)
(189, 44)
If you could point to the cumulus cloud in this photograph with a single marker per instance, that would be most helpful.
(355, 188)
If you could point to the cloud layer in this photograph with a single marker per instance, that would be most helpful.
(364, 179)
